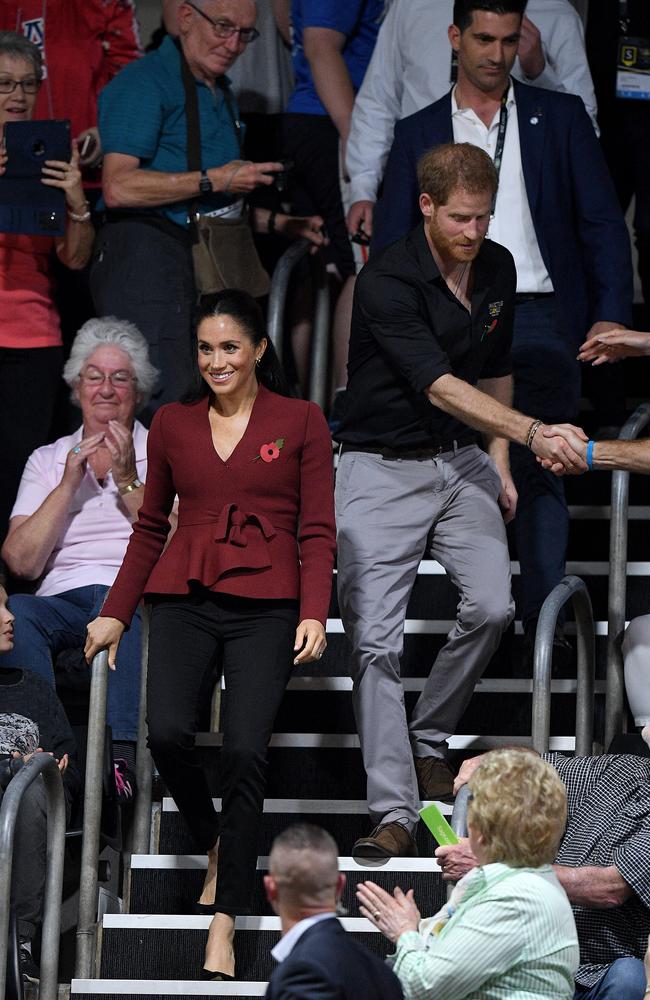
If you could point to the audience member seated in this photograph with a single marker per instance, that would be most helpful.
(602, 863)
(142, 268)
(317, 959)
(32, 720)
(30, 332)
(507, 929)
(72, 519)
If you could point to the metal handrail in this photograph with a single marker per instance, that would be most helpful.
(45, 765)
(88, 891)
(615, 683)
(459, 821)
(573, 589)
(321, 324)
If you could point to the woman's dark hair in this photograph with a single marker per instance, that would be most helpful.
(246, 312)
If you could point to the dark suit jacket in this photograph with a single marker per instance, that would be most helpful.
(578, 222)
(259, 525)
(328, 964)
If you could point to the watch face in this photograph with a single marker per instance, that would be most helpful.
(205, 186)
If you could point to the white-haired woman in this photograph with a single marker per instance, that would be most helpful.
(30, 333)
(71, 521)
(508, 929)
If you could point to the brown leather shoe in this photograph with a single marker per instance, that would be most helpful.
(388, 840)
(435, 778)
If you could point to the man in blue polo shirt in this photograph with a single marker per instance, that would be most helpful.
(142, 267)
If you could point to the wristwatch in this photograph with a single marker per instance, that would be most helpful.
(205, 184)
(122, 490)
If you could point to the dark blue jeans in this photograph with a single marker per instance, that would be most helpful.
(546, 385)
(624, 980)
(45, 626)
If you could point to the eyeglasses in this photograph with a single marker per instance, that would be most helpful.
(119, 380)
(29, 86)
(224, 29)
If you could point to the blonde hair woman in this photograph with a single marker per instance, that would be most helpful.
(508, 929)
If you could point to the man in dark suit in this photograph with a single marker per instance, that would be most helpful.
(557, 212)
(318, 959)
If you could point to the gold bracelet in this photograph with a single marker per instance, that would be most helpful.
(133, 485)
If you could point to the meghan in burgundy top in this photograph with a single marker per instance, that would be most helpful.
(260, 525)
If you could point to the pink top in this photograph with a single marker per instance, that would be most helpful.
(29, 316)
(92, 544)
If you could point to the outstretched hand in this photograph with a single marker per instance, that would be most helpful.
(611, 346)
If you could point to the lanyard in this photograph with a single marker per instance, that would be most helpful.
(501, 139)
(623, 15)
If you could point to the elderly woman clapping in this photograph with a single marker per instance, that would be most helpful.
(72, 518)
(508, 929)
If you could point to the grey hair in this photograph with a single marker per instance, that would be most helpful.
(112, 332)
(15, 45)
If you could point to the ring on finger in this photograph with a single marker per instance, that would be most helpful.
(76, 449)
(376, 915)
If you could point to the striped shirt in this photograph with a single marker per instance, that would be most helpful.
(513, 935)
(608, 824)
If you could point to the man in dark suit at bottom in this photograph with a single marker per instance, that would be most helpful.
(318, 959)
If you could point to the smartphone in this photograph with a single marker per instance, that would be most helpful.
(438, 826)
(26, 205)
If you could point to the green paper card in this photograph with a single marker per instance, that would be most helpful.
(438, 825)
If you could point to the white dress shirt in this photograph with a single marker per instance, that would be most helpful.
(410, 69)
(286, 944)
(512, 223)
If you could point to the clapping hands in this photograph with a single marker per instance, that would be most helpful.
(611, 346)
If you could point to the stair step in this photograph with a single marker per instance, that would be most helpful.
(348, 741)
(345, 819)
(171, 947)
(172, 883)
(130, 989)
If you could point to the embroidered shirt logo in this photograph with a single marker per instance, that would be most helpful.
(495, 308)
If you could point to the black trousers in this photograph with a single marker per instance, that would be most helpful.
(192, 641)
(29, 384)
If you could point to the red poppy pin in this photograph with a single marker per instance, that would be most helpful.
(269, 452)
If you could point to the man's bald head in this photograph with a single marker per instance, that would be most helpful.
(303, 865)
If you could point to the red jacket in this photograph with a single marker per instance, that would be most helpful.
(251, 526)
(84, 44)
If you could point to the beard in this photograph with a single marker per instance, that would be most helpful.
(452, 248)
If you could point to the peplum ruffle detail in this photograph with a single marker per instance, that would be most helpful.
(232, 542)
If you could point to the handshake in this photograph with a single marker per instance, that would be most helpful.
(561, 448)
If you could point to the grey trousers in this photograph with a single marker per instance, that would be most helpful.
(390, 513)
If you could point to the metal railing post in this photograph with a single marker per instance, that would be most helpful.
(278, 292)
(459, 821)
(573, 589)
(615, 683)
(40, 764)
(143, 764)
(88, 894)
(319, 355)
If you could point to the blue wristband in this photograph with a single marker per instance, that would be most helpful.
(590, 455)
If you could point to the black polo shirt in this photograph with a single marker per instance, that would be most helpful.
(408, 330)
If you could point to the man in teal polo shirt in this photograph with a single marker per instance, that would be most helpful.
(142, 267)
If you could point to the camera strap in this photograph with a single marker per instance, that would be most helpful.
(193, 129)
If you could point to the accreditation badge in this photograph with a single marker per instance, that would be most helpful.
(633, 68)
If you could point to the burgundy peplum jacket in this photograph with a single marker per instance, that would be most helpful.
(260, 525)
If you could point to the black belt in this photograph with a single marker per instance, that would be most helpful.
(531, 296)
(426, 451)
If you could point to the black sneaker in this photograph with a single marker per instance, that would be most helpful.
(28, 967)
